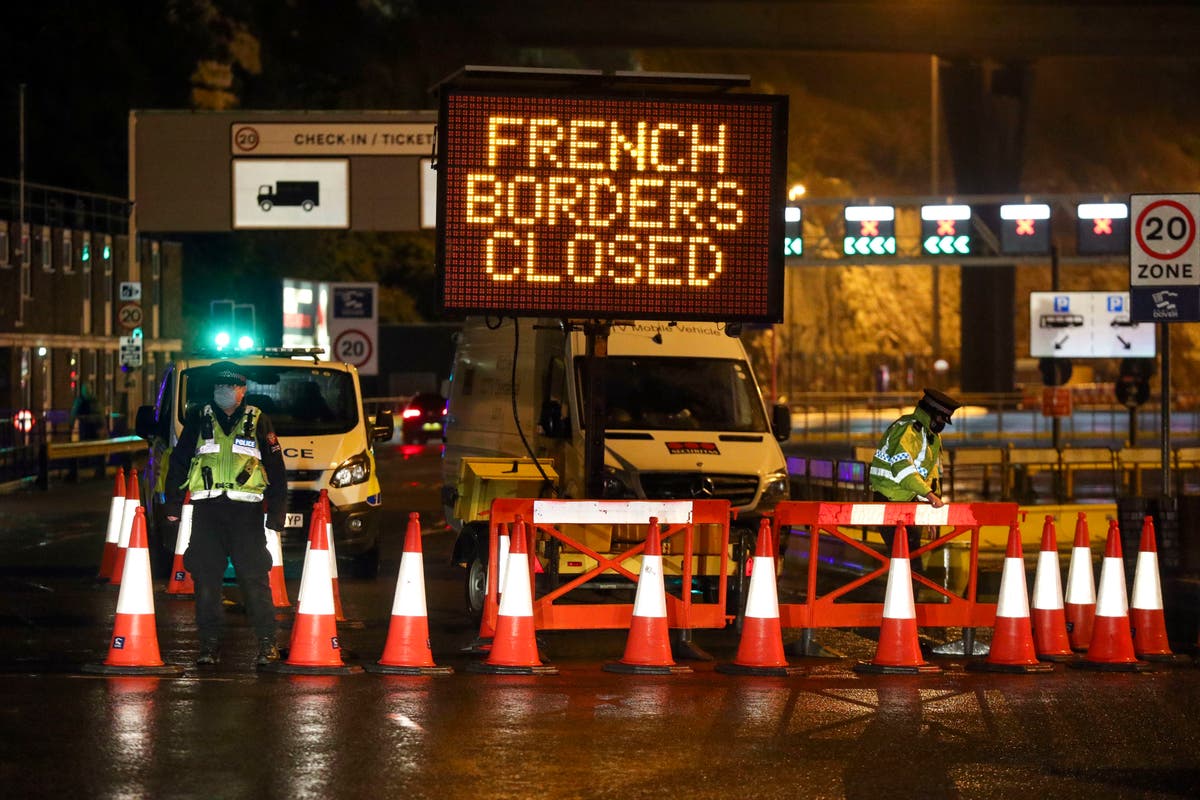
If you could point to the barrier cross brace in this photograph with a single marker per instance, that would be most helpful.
(677, 520)
(822, 519)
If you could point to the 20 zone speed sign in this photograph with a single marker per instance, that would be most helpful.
(1164, 249)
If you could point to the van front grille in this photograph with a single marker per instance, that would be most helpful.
(739, 490)
(301, 500)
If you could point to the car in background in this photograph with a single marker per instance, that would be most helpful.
(423, 418)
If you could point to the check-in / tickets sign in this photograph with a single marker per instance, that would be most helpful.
(612, 207)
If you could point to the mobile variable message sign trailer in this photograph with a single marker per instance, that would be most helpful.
(606, 203)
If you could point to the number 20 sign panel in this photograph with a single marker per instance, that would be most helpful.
(612, 206)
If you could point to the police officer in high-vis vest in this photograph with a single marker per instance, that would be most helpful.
(907, 463)
(229, 459)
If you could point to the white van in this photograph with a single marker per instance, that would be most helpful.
(328, 443)
(685, 419)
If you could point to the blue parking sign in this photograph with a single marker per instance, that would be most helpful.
(1116, 303)
(1062, 303)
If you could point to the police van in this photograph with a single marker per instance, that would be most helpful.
(684, 419)
(328, 442)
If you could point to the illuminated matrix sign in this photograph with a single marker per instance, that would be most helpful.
(612, 207)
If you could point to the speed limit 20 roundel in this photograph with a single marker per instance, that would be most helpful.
(353, 346)
(1164, 249)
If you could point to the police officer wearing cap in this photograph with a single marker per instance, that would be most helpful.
(229, 459)
(907, 463)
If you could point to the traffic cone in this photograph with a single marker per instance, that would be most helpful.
(760, 649)
(648, 647)
(1049, 618)
(134, 645)
(1111, 647)
(487, 619)
(180, 583)
(112, 536)
(1146, 603)
(1012, 637)
(327, 511)
(899, 649)
(407, 650)
(314, 648)
(514, 647)
(133, 502)
(279, 594)
(1081, 588)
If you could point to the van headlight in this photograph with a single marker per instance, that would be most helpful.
(777, 487)
(356, 469)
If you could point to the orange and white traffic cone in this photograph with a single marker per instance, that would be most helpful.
(1111, 647)
(133, 649)
(514, 647)
(315, 648)
(279, 594)
(648, 647)
(133, 502)
(1146, 603)
(180, 583)
(327, 511)
(112, 536)
(1012, 637)
(899, 649)
(407, 650)
(1081, 588)
(760, 649)
(491, 602)
(1049, 617)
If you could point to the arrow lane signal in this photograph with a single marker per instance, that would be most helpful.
(948, 245)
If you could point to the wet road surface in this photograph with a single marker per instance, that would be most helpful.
(231, 732)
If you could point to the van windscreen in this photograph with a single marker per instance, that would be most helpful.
(710, 394)
(300, 400)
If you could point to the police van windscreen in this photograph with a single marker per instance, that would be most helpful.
(300, 401)
(651, 393)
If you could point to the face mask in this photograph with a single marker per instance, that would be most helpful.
(937, 424)
(225, 397)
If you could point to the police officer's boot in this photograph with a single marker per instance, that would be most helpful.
(267, 651)
(210, 652)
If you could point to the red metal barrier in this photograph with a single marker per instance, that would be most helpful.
(952, 521)
(677, 520)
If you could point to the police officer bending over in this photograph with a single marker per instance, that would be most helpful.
(907, 463)
(230, 460)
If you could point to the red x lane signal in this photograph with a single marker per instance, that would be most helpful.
(1025, 227)
(945, 227)
(1102, 226)
(869, 227)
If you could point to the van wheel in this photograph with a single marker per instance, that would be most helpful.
(307, 205)
(476, 588)
(265, 205)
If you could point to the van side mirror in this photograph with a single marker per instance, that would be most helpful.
(781, 422)
(145, 422)
(551, 421)
(385, 426)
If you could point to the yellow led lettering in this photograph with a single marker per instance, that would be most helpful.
(496, 140)
(562, 193)
(660, 150)
(619, 145)
(574, 271)
(626, 257)
(730, 218)
(605, 203)
(491, 266)
(685, 197)
(656, 259)
(698, 246)
(524, 204)
(579, 140)
(640, 200)
(483, 199)
(543, 146)
(708, 149)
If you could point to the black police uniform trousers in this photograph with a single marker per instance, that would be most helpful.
(221, 529)
(888, 532)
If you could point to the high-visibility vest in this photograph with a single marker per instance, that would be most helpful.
(228, 464)
(907, 461)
